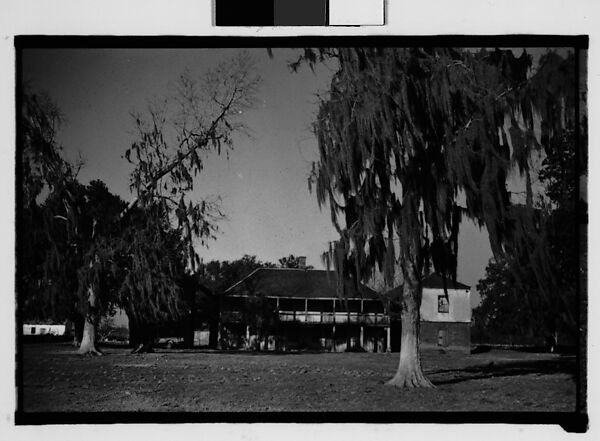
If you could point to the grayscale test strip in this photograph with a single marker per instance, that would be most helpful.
(299, 13)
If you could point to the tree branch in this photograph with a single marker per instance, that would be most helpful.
(204, 139)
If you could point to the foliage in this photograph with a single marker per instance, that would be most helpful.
(413, 139)
(507, 314)
(63, 233)
(292, 261)
(77, 237)
(173, 138)
(148, 258)
(41, 164)
(134, 255)
(511, 297)
(220, 275)
(407, 134)
(42, 169)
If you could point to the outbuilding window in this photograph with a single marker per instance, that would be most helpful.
(443, 305)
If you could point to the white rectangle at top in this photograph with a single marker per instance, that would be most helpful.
(356, 12)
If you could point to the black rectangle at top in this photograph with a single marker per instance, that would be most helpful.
(244, 13)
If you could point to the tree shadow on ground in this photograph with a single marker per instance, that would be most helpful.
(567, 365)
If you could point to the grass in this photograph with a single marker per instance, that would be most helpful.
(56, 379)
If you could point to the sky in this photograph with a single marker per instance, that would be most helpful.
(263, 185)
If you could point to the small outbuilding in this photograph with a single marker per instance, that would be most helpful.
(445, 316)
(43, 329)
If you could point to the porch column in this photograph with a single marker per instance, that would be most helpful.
(247, 336)
(219, 324)
(388, 343)
(362, 336)
(306, 310)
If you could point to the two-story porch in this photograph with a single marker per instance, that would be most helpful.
(307, 310)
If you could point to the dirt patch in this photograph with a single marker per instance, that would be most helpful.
(56, 379)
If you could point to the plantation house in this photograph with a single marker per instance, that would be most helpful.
(308, 314)
(284, 308)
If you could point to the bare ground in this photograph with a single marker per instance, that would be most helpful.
(56, 379)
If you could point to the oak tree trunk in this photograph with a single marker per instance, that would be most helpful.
(213, 334)
(189, 328)
(88, 340)
(410, 373)
(78, 322)
(141, 335)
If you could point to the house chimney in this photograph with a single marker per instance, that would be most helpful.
(302, 262)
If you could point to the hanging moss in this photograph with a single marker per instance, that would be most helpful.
(428, 121)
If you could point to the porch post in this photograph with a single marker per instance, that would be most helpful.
(219, 324)
(362, 336)
(388, 343)
(306, 310)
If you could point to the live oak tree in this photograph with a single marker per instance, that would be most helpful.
(173, 137)
(64, 229)
(93, 224)
(412, 140)
(152, 268)
(46, 257)
(83, 242)
(65, 222)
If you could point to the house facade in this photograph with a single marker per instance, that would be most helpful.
(307, 313)
(445, 318)
(286, 309)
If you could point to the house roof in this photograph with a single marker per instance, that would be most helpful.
(434, 281)
(293, 282)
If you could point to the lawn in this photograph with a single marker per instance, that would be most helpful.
(56, 379)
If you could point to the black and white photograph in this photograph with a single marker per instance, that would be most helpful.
(354, 226)
(278, 219)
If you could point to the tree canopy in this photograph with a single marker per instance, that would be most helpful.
(513, 303)
(411, 140)
(175, 133)
(218, 276)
